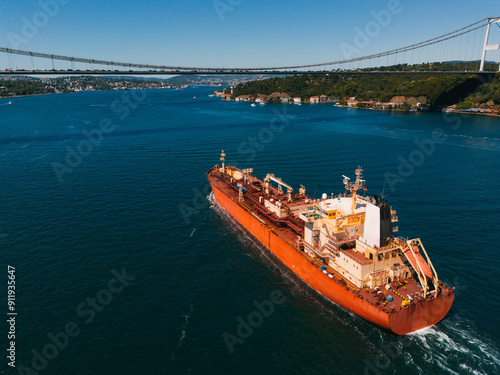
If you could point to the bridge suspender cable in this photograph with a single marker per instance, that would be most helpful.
(453, 34)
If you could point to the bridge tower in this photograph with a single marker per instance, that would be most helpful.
(490, 46)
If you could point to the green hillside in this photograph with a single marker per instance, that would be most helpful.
(439, 89)
(488, 92)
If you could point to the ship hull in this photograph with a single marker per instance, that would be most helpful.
(401, 322)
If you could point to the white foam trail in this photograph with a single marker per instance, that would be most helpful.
(183, 332)
(454, 343)
(184, 326)
(421, 331)
(39, 157)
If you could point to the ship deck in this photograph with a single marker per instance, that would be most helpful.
(290, 228)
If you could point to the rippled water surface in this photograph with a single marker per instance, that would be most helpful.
(116, 234)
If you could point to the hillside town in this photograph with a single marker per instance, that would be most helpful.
(23, 86)
(482, 101)
(396, 103)
(11, 86)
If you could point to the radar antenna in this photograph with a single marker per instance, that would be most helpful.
(353, 187)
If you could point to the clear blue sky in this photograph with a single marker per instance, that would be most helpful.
(231, 32)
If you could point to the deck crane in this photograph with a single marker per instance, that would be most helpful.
(271, 177)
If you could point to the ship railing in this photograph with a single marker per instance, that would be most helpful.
(364, 198)
(245, 206)
(292, 244)
(399, 267)
(340, 241)
(332, 248)
(388, 247)
(378, 273)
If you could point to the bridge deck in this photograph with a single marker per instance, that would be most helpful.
(222, 72)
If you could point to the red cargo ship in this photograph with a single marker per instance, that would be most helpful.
(344, 247)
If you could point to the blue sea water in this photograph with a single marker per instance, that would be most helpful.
(124, 263)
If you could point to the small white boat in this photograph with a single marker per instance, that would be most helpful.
(253, 105)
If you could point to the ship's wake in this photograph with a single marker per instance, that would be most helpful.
(451, 347)
(455, 346)
(182, 335)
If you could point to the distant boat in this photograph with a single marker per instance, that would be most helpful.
(9, 102)
(211, 95)
(194, 97)
(253, 105)
(262, 103)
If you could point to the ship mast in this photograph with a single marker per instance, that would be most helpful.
(223, 159)
(353, 187)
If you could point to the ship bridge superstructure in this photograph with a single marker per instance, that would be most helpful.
(354, 235)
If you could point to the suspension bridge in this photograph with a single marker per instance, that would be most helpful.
(445, 54)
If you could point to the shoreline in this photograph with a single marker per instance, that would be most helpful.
(74, 92)
(427, 110)
(443, 110)
(460, 112)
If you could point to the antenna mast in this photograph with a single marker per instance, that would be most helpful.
(353, 187)
(223, 159)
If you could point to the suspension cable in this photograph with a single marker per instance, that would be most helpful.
(425, 43)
